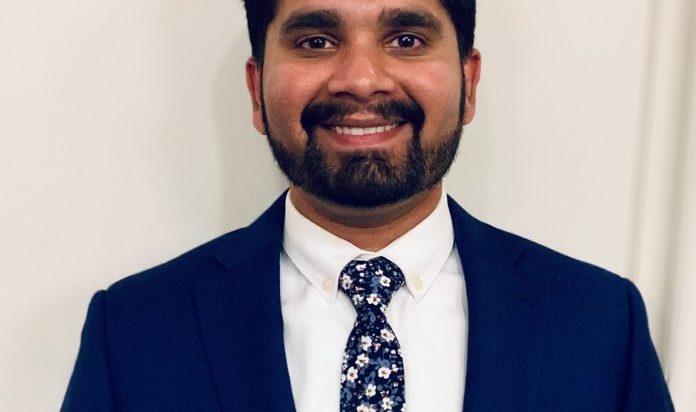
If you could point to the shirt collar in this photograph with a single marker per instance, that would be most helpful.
(320, 255)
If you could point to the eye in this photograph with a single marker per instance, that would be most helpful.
(406, 41)
(316, 43)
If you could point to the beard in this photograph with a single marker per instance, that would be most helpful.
(366, 178)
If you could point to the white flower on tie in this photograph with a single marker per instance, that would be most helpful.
(378, 272)
(384, 372)
(343, 377)
(346, 282)
(384, 281)
(352, 374)
(394, 367)
(365, 342)
(357, 299)
(373, 299)
(365, 408)
(387, 335)
(360, 267)
(370, 391)
(387, 403)
(362, 360)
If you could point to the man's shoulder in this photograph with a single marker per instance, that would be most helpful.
(573, 293)
(209, 260)
(176, 274)
(533, 259)
(542, 258)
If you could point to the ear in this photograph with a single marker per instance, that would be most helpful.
(471, 66)
(253, 80)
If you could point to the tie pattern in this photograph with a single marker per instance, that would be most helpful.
(372, 377)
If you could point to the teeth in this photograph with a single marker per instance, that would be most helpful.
(359, 131)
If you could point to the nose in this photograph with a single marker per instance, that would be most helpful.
(361, 74)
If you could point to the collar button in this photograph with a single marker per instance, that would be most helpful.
(326, 284)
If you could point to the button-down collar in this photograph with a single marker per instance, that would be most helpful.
(320, 255)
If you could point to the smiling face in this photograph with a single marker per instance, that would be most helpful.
(363, 101)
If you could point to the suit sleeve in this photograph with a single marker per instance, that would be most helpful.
(90, 385)
(646, 389)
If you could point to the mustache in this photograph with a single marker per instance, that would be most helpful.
(331, 112)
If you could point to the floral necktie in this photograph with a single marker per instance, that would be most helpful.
(372, 377)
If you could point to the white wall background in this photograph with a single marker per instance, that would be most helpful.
(125, 139)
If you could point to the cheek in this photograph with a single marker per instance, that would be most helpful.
(437, 88)
(287, 92)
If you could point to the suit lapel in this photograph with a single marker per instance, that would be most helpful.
(241, 322)
(507, 317)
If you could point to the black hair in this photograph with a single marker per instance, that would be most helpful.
(260, 14)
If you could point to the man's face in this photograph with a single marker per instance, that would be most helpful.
(363, 101)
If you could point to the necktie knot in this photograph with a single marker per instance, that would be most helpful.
(370, 284)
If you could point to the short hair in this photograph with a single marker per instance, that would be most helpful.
(260, 14)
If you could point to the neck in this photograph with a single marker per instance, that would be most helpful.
(369, 229)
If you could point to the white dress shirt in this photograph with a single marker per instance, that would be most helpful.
(428, 314)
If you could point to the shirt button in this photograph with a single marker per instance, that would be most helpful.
(326, 284)
(418, 283)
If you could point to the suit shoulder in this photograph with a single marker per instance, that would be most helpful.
(579, 293)
(528, 256)
(180, 272)
(549, 260)
(172, 281)
(538, 258)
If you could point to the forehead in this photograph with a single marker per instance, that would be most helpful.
(358, 11)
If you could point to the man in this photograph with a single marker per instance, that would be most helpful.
(365, 288)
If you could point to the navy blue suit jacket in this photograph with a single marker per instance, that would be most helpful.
(204, 332)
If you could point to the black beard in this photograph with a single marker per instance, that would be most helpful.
(368, 178)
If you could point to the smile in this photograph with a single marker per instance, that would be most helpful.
(361, 131)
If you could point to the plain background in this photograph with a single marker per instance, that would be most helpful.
(126, 139)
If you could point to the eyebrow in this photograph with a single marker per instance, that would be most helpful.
(317, 19)
(409, 18)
